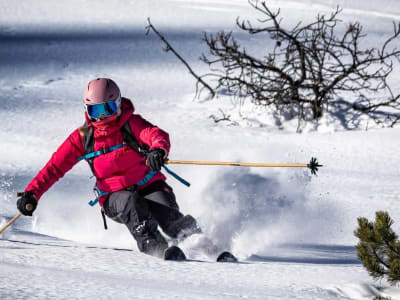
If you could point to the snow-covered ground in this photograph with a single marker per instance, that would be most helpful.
(293, 232)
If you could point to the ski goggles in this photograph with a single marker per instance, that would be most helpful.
(107, 109)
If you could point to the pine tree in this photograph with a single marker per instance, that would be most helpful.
(379, 247)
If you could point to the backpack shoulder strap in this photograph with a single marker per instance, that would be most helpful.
(88, 139)
(88, 143)
(132, 142)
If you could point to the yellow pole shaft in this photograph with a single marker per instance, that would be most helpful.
(236, 164)
(10, 222)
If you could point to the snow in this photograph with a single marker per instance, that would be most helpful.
(292, 231)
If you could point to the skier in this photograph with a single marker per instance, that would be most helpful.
(125, 153)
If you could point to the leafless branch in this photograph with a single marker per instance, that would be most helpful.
(308, 66)
(168, 48)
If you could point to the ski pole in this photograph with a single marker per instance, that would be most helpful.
(312, 165)
(10, 222)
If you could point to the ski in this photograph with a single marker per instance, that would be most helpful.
(226, 257)
(174, 253)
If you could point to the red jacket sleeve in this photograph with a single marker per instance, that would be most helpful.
(147, 133)
(60, 163)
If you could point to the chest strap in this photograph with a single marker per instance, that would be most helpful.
(101, 152)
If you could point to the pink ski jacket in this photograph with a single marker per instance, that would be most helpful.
(115, 170)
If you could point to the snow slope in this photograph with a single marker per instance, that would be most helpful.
(293, 232)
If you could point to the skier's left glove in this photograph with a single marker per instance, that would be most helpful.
(27, 203)
(155, 159)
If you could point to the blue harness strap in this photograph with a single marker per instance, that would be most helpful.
(146, 179)
(101, 152)
(143, 181)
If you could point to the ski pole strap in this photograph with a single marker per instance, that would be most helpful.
(177, 177)
(173, 174)
(100, 152)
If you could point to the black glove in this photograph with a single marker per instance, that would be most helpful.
(155, 159)
(27, 203)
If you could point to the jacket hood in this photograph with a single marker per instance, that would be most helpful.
(127, 109)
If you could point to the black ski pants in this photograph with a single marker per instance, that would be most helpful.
(143, 211)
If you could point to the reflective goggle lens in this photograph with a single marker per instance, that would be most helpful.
(106, 108)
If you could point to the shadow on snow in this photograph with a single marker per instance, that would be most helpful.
(310, 254)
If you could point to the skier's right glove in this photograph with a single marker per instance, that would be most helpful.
(155, 159)
(27, 203)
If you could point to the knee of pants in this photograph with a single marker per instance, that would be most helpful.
(121, 205)
(144, 229)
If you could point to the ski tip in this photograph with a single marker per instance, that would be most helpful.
(174, 253)
(227, 257)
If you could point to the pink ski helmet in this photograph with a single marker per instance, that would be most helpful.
(102, 90)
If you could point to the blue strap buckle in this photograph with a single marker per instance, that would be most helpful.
(105, 150)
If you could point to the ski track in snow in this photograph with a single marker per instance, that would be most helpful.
(293, 232)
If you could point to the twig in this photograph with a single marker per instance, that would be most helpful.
(225, 117)
(170, 48)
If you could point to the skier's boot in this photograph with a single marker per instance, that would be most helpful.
(174, 253)
(154, 247)
(226, 257)
(182, 228)
(149, 238)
